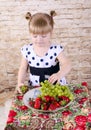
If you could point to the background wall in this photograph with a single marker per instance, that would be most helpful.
(72, 30)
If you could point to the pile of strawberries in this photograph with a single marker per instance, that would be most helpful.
(49, 102)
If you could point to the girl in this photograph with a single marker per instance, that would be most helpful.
(45, 60)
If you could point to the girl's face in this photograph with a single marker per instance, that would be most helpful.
(41, 39)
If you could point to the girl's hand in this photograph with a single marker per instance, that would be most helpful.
(54, 78)
(19, 86)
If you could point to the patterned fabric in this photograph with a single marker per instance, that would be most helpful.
(76, 116)
(42, 67)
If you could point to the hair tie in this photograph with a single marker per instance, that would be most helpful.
(53, 13)
(28, 16)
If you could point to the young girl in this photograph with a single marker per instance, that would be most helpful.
(45, 60)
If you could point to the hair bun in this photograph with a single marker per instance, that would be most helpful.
(28, 16)
(53, 13)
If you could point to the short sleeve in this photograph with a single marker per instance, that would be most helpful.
(59, 49)
(24, 51)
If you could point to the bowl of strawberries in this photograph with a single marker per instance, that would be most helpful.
(48, 97)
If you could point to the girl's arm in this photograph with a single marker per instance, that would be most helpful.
(65, 67)
(23, 70)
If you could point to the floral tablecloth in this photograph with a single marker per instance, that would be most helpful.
(77, 116)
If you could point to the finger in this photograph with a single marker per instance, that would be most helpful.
(55, 82)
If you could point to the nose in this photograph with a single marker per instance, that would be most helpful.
(39, 38)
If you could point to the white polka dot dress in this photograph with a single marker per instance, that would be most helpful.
(42, 67)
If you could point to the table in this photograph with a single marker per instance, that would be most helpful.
(77, 116)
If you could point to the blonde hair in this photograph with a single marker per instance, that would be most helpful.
(40, 23)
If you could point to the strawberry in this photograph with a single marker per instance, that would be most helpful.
(56, 104)
(44, 106)
(64, 98)
(52, 98)
(52, 107)
(37, 103)
(31, 103)
(81, 120)
(38, 99)
(47, 98)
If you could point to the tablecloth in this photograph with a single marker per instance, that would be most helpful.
(76, 116)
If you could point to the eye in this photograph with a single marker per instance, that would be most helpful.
(43, 36)
(34, 36)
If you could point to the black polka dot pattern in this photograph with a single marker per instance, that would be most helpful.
(33, 58)
(46, 63)
(48, 60)
(29, 62)
(36, 81)
(28, 52)
(41, 60)
(37, 64)
(51, 57)
(55, 54)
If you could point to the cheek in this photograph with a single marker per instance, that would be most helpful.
(33, 39)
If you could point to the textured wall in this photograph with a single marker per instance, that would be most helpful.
(72, 30)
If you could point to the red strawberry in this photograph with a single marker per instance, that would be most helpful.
(84, 84)
(38, 99)
(44, 106)
(79, 128)
(56, 104)
(52, 98)
(31, 103)
(47, 98)
(81, 120)
(64, 98)
(37, 103)
(52, 107)
(89, 117)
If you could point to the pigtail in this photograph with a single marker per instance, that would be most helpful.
(28, 16)
(53, 13)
